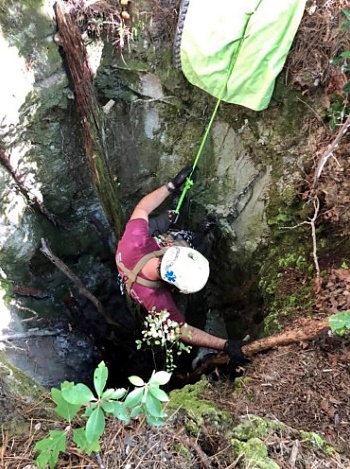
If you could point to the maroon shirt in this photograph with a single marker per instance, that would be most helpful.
(134, 244)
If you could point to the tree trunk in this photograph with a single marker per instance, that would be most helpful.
(92, 115)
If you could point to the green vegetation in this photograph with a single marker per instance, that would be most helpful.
(284, 285)
(317, 442)
(77, 399)
(340, 322)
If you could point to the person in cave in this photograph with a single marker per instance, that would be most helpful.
(149, 271)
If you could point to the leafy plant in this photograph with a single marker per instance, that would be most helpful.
(339, 103)
(160, 330)
(77, 399)
(340, 322)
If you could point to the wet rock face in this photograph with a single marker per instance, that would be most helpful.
(53, 359)
(44, 173)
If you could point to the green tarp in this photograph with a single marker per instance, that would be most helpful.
(210, 34)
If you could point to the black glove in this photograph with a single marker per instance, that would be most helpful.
(160, 224)
(180, 178)
(233, 349)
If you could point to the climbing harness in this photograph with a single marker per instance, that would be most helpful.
(164, 241)
(133, 274)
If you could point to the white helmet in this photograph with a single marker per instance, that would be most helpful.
(185, 268)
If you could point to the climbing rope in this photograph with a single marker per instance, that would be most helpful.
(189, 181)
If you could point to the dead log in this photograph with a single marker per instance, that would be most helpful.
(93, 124)
(77, 283)
(71, 275)
(27, 191)
(308, 329)
(28, 334)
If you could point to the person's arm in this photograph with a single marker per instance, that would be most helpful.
(193, 336)
(152, 200)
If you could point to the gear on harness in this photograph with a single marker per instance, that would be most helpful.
(175, 238)
(121, 284)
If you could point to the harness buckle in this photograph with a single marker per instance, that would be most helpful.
(121, 284)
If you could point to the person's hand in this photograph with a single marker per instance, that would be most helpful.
(233, 349)
(180, 178)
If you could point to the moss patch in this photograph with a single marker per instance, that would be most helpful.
(188, 399)
(254, 453)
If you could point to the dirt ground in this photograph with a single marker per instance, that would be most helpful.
(305, 386)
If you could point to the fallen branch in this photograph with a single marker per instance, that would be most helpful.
(28, 334)
(27, 191)
(329, 152)
(309, 330)
(76, 280)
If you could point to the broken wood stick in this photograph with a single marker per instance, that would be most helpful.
(28, 334)
(71, 275)
(329, 151)
(77, 282)
(309, 329)
(29, 193)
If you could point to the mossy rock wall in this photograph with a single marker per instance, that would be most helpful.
(249, 173)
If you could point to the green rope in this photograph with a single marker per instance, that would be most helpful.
(189, 181)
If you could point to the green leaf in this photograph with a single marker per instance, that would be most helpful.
(64, 409)
(95, 425)
(136, 381)
(114, 393)
(346, 12)
(134, 397)
(155, 421)
(79, 438)
(136, 411)
(345, 54)
(78, 394)
(100, 378)
(50, 448)
(121, 412)
(161, 377)
(158, 393)
(117, 409)
(43, 460)
(340, 322)
(89, 409)
(346, 87)
(108, 406)
(153, 406)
